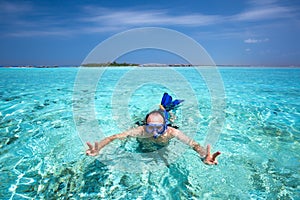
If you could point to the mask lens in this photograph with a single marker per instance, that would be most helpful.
(149, 129)
(159, 128)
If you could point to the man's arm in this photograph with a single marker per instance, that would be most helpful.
(205, 155)
(193, 144)
(94, 150)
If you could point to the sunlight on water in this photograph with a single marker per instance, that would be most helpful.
(42, 156)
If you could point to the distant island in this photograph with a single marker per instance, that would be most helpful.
(109, 64)
(115, 64)
(32, 66)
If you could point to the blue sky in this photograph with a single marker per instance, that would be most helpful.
(252, 32)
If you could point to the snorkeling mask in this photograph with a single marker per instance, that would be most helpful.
(158, 129)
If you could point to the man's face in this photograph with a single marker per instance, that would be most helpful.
(155, 125)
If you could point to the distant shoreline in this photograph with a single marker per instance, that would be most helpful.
(94, 65)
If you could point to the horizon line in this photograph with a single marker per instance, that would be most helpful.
(149, 65)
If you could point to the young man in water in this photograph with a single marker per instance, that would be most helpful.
(156, 131)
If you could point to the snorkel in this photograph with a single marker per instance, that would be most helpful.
(157, 133)
(155, 136)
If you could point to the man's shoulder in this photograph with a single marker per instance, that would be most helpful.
(136, 131)
(173, 130)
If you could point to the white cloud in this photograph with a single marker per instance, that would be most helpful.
(259, 11)
(14, 8)
(95, 19)
(148, 17)
(31, 33)
(257, 14)
(253, 41)
(265, 10)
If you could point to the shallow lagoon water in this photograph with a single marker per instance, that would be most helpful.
(42, 155)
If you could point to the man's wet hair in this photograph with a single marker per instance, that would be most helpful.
(155, 112)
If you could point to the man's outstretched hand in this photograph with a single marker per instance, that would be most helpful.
(211, 159)
(93, 150)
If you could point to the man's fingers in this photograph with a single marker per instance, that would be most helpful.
(215, 155)
(90, 145)
(208, 150)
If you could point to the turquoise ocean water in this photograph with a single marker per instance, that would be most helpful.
(42, 155)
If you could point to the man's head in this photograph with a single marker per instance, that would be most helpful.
(155, 116)
(155, 123)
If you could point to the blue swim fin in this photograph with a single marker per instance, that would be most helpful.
(167, 102)
(177, 102)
